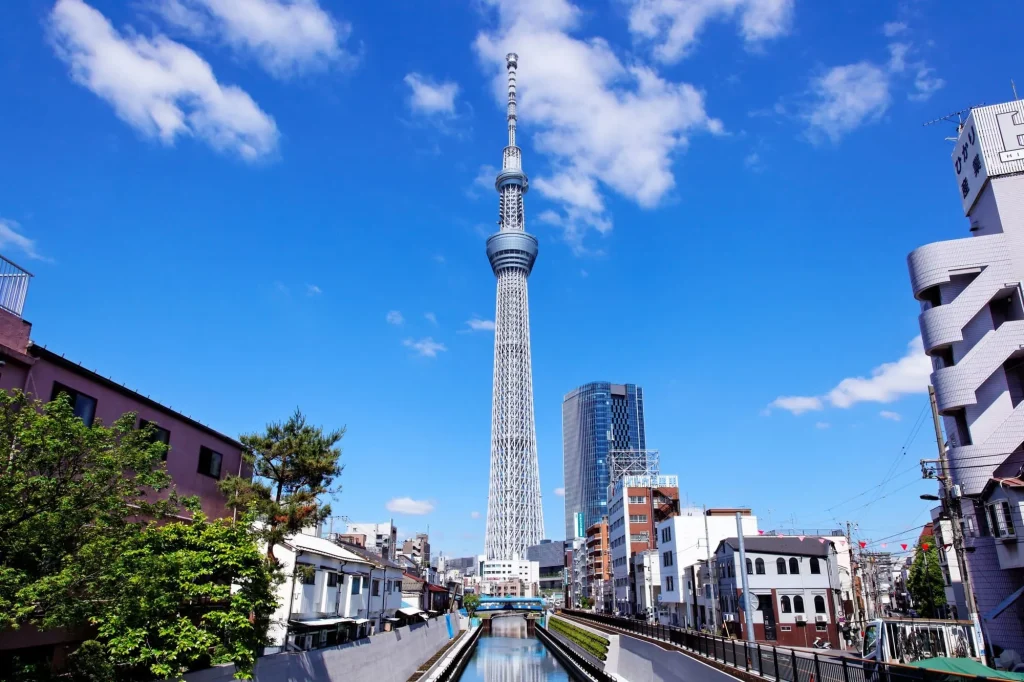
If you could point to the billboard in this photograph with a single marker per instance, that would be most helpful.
(580, 530)
(991, 144)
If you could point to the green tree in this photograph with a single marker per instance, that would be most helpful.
(926, 583)
(294, 464)
(81, 543)
(586, 602)
(470, 602)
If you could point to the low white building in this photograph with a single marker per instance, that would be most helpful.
(332, 594)
(682, 542)
(647, 569)
(496, 571)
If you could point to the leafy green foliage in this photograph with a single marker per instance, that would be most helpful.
(81, 544)
(595, 644)
(470, 602)
(294, 464)
(926, 583)
(586, 602)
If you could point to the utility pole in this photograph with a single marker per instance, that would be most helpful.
(711, 574)
(857, 610)
(748, 603)
(951, 502)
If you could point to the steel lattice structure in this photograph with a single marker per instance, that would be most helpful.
(514, 517)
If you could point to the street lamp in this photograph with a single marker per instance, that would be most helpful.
(930, 498)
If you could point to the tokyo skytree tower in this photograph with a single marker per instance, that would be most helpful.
(514, 516)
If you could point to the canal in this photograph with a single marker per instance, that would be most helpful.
(510, 654)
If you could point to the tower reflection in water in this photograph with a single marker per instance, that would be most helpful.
(510, 654)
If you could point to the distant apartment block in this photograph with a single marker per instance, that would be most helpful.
(972, 328)
(597, 418)
(381, 538)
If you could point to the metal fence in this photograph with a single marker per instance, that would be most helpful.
(454, 667)
(777, 663)
(562, 651)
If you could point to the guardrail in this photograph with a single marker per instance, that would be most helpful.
(454, 667)
(775, 663)
(564, 652)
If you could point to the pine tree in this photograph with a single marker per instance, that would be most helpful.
(294, 464)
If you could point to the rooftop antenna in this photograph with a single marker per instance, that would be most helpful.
(1014, 86)
(959, 119)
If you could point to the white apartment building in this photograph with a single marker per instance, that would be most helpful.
(502, 570)
(332, 594)
(683, 540)
(796, 585)
(647, 574)
(381, 538)
(972, 329)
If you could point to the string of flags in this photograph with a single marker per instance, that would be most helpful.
(863, 543)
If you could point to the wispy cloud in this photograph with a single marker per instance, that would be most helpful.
(474, 515)
(577, 89)
(394, 317)
(431, 318)
(313, 290)
(430, 97)
(753, 162)
(822, 425)
(846, 97)
(560, 492)
(425, 347)
(12, 238)
(158, 86)
(893, 28)
(888, 382)
(287, 37)
(477, 325)
(407, 505)
(893, 416)
(926, 84)
(672, 26)
(483, 183)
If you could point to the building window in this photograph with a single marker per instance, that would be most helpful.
(638, 518)
(819, 604)
(670, 584)
(780, 566)
(209, 462)
(759, 566)
(798, 604)
(666, 558)
(750, 567)
(821, 627)
(83, 406)
(637, 499)
(730, 568)
(786, 628)
(666, 534)
(376, 588)
(159, 435)
(786, 606)
(815, 566)
(357, 586)
(1000, 520)
(794, 566)
(332, 579)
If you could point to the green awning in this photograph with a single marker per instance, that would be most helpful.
(965, 666)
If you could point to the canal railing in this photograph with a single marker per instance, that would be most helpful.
(452, 667)
(771, 662)
(571, 658)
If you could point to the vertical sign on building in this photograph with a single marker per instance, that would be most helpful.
(580, 530)
(990, 144)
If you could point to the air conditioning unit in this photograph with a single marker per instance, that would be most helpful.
(820, 619)
(801, 618)
(728, 617)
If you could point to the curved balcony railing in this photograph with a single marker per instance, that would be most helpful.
(957, 386)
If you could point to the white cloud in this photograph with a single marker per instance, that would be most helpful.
(822, 425)
(893, 28)
(394, 317)
(753, 162)
(603, 123)
(430, 97)
(407, 505)
(313, 290)
(483, 182)
(560, 492)
(286, 36)
(160, 87)
(474, 515)
(673, 25)
(478, 325)
(431, 317)
(888, 382)
(887, 414)
(925, 84)
(12, 238)
(898, 57)
(425, 347)
(846, 97)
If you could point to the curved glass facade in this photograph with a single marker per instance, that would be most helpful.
(596, 418)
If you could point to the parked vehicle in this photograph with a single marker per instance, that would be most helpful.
(899, 640)
(820, 643)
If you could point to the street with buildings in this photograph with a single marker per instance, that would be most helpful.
(645, 566)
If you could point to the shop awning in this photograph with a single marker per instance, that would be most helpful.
(409, 611)
(321, 622)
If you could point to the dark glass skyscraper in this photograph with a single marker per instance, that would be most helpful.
(596, 419)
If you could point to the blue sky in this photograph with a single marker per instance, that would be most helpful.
(240, 206)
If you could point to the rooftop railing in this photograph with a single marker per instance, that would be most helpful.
(13, 286)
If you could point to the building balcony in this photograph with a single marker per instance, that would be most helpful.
(13, 286)
(933, 264)
(956, 386)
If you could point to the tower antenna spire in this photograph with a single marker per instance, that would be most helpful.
(511, 63)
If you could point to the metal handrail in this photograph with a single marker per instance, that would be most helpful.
(13, 286)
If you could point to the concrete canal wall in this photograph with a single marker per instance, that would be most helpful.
(385, 657)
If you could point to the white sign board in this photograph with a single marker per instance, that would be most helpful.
(991, 144)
